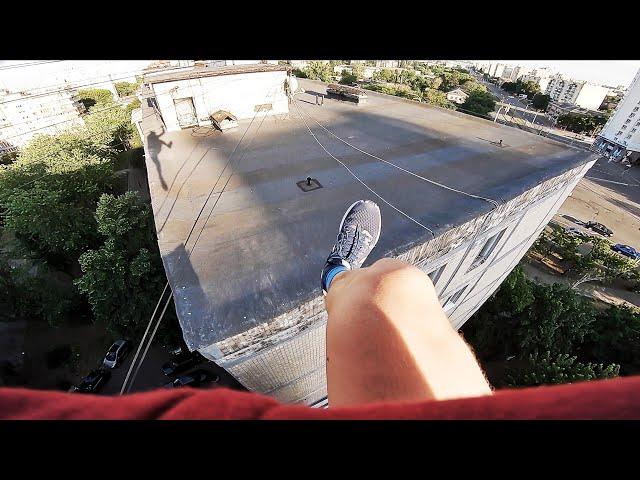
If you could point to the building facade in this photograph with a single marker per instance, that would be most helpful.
(555, 109)
(562, 89)
(22, 116)
(263, 321)
(620, 136)
(286, 358)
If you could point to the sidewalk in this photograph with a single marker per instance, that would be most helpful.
(612, 296)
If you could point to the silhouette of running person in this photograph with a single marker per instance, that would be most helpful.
(153, 139)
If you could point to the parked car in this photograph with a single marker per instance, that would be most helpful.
(599, 228)
(93, 382)
(193, 379)
(574, 232)
(116, 354)
(181, 362)
(626, 250)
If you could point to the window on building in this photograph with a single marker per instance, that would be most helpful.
(628, 120)
(487, 249)
(435, 274)
(624, 127)
(636, 109)
(633, 130)
(453, 300)
(632, 115)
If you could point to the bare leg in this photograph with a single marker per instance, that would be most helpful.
(388, 339)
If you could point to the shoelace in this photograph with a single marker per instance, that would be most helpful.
(355, 242)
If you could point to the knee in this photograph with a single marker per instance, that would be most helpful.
(390, 276)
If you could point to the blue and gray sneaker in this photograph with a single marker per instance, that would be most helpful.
(358, 234)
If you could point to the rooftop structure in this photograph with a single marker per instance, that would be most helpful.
(246, 284)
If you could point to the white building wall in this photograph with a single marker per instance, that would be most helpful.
(591, 96)
(238, 94)
(289, 364)
(623, 127)
(23, 117)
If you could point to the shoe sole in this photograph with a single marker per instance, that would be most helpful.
(344, 217)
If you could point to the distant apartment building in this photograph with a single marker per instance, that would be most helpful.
(620, 136)
(511, 73)
(458, 96)
(496, 70)
(22, 116)
(387, 63)
(555, 109)
(562, 89)
(539, 76)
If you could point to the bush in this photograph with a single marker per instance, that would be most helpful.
(90, 97)
(548, 369)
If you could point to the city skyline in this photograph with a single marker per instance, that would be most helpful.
(603, 72)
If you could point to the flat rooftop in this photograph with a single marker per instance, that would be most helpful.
(259, 246)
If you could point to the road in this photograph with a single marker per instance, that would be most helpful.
(520, 109)
(610, 194)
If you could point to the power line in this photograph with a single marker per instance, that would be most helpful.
(409, 217)
(462, 192)
(65, 89)
(28, 64)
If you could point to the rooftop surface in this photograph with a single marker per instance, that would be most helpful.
(258, 248)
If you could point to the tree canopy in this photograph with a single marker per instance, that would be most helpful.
(541, 101)
(579, 123)
(479, 103)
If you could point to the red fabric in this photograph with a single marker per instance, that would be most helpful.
(608, 399)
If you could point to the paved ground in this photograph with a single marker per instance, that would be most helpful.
(609, 194)
(240, 276)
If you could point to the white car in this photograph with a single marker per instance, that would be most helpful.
(116, 354)
(574, 232)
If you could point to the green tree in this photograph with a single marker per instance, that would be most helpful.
(347, 78)
(509, 87)
(122, 278)
(548, 369)
(558, 321)
(616, 339)
(125, 89)
(602, 264)
(319, 71)
(579, 123)
(91, 97)
(49, 194)
(357, 69)
(541, 101)
(479, 103)
(110, 127)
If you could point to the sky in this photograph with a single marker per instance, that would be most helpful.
(604, 72)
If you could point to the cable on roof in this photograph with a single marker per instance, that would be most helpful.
(477, 197)
(360, 180)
